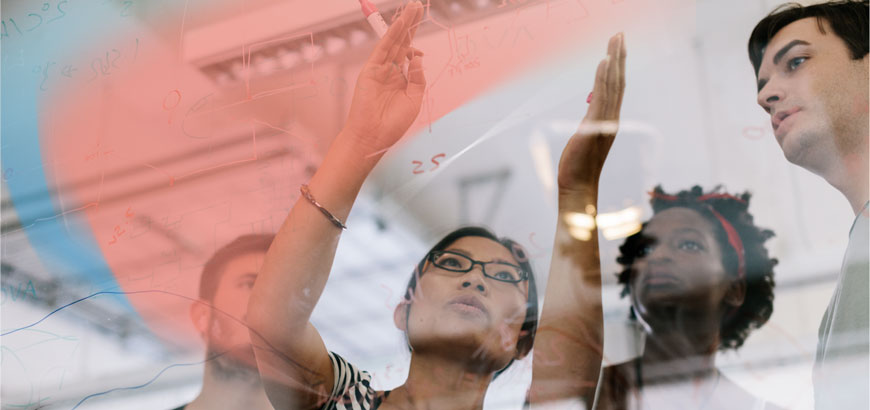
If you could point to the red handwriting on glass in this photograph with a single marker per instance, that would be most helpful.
(389, 296)
(172, 99)
(419, 164)
(556, 357)
(540, 250)
(465, 51)
(197, 106)
(118, 231)
(472, 62)
(98, 153)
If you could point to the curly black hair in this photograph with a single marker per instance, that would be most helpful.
(758, 304)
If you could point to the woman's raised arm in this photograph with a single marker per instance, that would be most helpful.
(292, 359)
(568, 346)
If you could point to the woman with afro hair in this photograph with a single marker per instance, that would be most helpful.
(699, 280)
(697, 274)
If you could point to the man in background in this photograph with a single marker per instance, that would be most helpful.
(811, 64)
(230, 379)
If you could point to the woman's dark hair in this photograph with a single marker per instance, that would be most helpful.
(530, 323)
(847, 18)
(758, 303)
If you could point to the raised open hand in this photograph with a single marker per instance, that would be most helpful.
(385, 102)
(584, 155)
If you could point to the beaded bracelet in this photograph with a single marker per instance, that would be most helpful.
(307, 194)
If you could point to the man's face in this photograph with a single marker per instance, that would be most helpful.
(815, 93)
(227, 334)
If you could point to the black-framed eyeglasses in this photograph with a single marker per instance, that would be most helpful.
(457, 262)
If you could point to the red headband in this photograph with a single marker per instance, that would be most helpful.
(733, 237)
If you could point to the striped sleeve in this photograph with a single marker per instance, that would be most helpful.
(351, 387)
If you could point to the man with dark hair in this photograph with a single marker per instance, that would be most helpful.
(811, 64)
(230, 379)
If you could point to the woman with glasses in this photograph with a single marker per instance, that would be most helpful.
(470, 308)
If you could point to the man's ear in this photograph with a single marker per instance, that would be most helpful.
(200, 316)
(400, 315)
(736, 293)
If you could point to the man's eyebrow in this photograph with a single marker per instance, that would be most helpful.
(779, 54)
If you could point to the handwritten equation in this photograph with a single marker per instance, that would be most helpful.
(107, 63)
(47, 13)
(14, 293)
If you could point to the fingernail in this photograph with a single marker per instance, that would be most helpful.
(589, 98)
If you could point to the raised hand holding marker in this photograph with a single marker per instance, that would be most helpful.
(376, 20)
(374, 17)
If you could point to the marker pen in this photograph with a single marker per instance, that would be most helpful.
(374, 17)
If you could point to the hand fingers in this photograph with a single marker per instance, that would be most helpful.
(622, 55)
(619, 76)
(393, 36)
(613, 46)
(420, 11)
(598, 91)
(602, 116)
(616, 79)
(413, 24)
(414, 52)
(400, 45)
(416, 79)
(611, 97)
(418, 17)
(411, 16)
